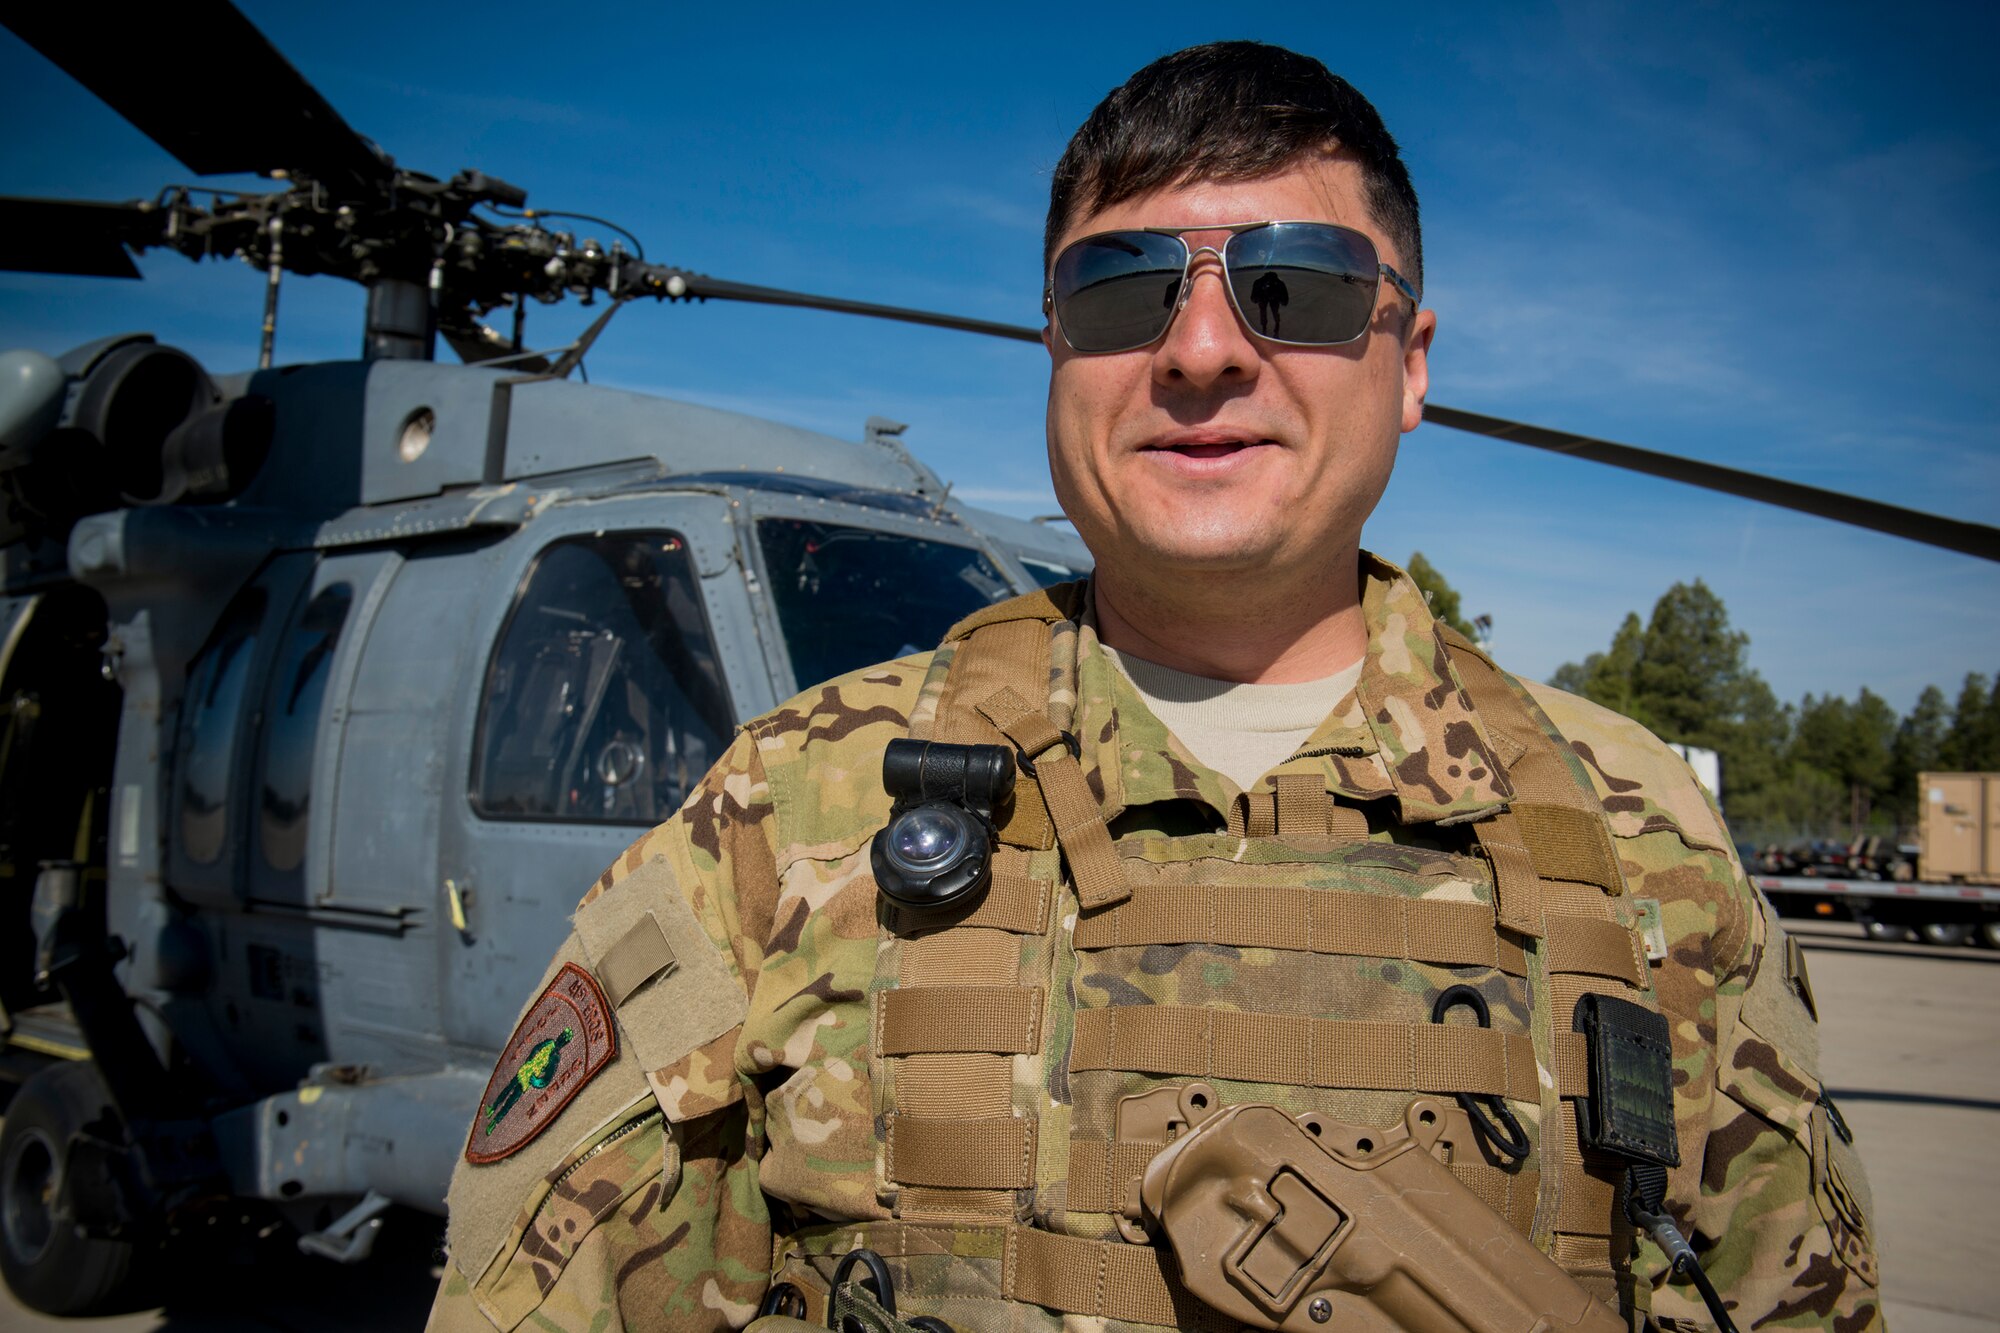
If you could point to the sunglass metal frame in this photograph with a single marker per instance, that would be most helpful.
(1235, 229)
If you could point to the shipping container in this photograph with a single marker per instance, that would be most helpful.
(1959, 827)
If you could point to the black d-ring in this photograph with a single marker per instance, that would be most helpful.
(1506, 1139)
(785, 1299)
(877, 1279)
(1467, 996)
(1069, 742)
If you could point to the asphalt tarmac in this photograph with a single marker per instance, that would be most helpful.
(1910, 1052)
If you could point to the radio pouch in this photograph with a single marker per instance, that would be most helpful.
(1630, 1109)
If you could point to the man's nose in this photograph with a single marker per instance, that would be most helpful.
(1206, 345)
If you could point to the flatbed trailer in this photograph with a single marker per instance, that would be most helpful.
(1937, 913)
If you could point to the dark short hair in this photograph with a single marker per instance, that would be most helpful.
(1230, 111)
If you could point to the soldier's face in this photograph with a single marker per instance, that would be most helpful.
(1213, 452)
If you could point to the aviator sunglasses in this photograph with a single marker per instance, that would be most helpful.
(1306, 284)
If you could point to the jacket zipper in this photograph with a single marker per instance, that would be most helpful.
(628, 1127)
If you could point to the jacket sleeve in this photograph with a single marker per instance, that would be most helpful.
(1783, 1223)
(639, 1206)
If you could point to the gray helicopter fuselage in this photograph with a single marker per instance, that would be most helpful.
(388, 711)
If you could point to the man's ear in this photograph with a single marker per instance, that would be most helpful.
(1417, 367)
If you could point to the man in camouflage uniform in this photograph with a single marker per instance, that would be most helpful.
(772, 1067)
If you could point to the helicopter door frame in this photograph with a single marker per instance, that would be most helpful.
(507, 882)
(368, 573)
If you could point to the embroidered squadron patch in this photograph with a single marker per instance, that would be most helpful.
(565, 1038)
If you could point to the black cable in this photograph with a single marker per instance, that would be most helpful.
(535, 214)
(1713, 1299)
(1644, 1186)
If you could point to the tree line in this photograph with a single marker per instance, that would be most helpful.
(1827, 766)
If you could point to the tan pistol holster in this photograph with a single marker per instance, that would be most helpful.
(1035, 1142)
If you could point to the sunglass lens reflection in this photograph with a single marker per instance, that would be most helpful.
(1119, 291)
(1303, 283)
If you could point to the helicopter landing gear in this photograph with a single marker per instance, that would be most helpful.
(51, 1264)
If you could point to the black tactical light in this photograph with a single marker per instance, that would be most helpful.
(937, 849)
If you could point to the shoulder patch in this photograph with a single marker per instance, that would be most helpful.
(562, 1041)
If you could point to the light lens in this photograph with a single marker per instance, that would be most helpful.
(926, 837)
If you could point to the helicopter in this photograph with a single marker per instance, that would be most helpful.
(327, 687)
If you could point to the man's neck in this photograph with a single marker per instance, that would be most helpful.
(1222, 629)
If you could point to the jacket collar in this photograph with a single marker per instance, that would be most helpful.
(1407, 731)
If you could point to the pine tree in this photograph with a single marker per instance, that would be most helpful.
(1689, 675)
(1917, 748)
(1972, 741)
(1443, 597)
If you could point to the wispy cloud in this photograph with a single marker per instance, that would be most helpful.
(481, 107)
(946, 200)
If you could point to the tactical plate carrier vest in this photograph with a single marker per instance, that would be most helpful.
(1027, 1053)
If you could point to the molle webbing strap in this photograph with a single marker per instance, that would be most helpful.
(1100, 1278)
(1001, 1020)
(1072, 806)
(953, 1144)
(1569, 842)
(1596, 947)
(1068, 1274)
(1254, 814)
(1307, 808)
(1589, 1203)
(998, 657)
(1192, 1041)
(1572, 1071)
(1517, 889)
(1554, 827)
(1511, 1194)
(1102, 1170)
(1326, 921)
(992, 1152)
(1299, 807)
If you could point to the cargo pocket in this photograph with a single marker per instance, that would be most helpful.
(1774, 1071)
(1841, 1191)
(631, 1152)
(1788, 1096)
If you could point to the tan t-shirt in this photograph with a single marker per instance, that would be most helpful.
(1240, 731)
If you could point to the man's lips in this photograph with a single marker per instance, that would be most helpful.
(1203, 446)
(1218, 450)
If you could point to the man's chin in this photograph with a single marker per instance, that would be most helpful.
(1177, 556)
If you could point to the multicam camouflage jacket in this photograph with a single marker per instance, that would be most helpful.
(742, 1063)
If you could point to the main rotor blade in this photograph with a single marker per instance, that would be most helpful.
(1975, 539)
(73, 236)
(696, 284)
(198, 79)
(1952, 534)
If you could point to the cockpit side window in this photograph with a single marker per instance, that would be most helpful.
(291, 725)
(603, 699)
(212, 717)
(848, 597)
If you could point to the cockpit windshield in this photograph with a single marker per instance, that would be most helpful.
(847, 597)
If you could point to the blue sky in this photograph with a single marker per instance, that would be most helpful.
(1758, 236)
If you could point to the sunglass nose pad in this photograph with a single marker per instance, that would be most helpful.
(1188, 274)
